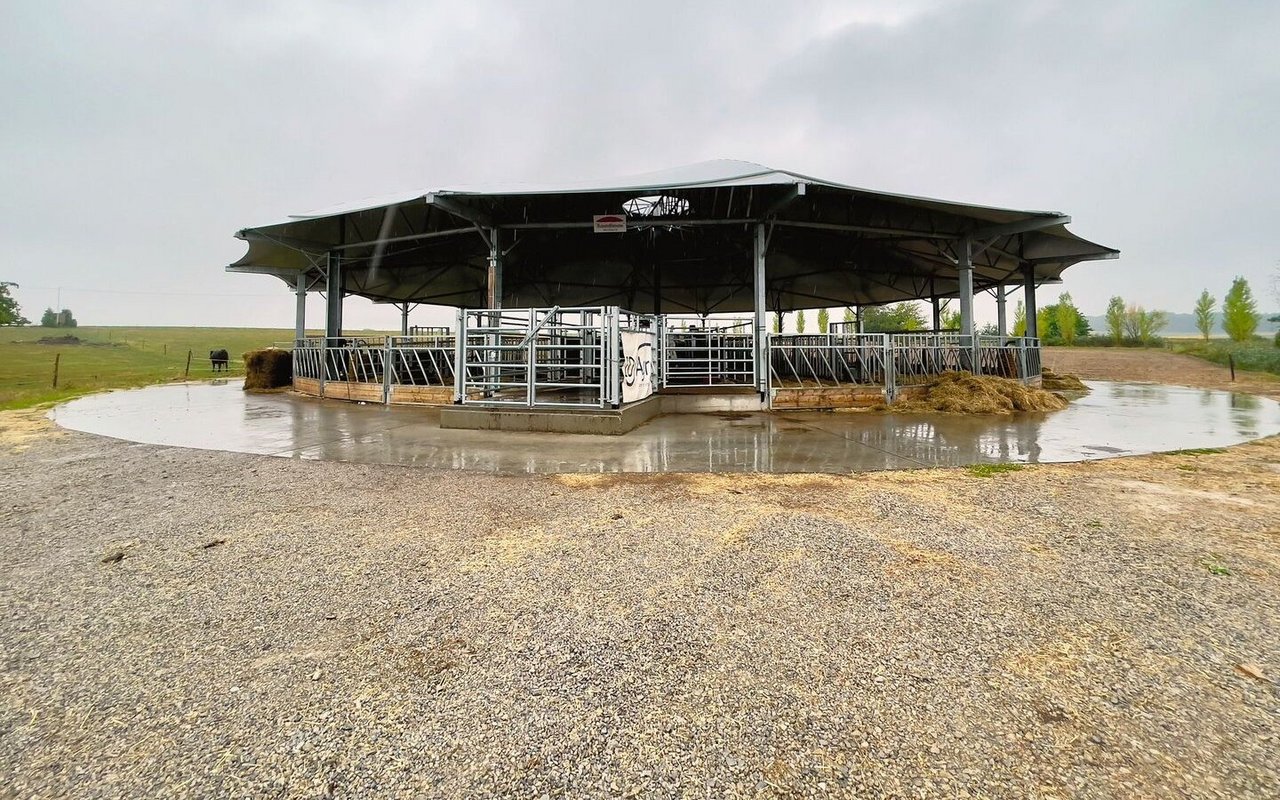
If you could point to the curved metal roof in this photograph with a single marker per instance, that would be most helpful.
(830, 244)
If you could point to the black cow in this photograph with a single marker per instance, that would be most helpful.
(219, 360)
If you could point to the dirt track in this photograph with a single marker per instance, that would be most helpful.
(187, 623)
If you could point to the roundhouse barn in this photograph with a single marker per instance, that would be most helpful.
(606, 297)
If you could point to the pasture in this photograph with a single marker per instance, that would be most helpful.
(115, 357)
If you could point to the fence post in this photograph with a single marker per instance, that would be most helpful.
(186, 372)
(387, 366)
(890, 389)
(324, 362)
(660, 326)
(56, 358)
(460, 357)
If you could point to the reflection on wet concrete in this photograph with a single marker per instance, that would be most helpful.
(1115, 419)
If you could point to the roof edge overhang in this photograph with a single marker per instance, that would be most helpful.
(1020, 242)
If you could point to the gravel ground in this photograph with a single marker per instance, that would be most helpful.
(191, 623)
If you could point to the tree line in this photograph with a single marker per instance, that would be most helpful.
(1062, 322)
(11, 314)
(1240, 315)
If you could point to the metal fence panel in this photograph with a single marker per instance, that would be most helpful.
(826, 359)
(697, 352)
(544, 357)
(571, 357)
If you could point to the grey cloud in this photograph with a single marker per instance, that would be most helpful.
(140, 139)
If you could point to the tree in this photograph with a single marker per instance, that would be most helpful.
(1115, 319)
(1132, 321)
(777, 322)
(800, 321)
(896, 318)
(1045, 327)
(57, 319)
(1204, 314)
(824, 320)
(1051, 319)
(849, 316)
(1150, 325)
(1067, 317)
(1240, 311)
(1144, 325)
(1020, 320)
(10, 314)
(950, 320)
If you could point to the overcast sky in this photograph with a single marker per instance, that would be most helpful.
(137, 137)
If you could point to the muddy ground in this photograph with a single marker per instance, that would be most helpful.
(193, 623)
(1158, 366)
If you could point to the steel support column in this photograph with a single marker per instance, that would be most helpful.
(333, 287)
(964, 266)
(493, 298)
(404, 319)
(1029, 300)
(493, 282)
(1002, 313)
(761, 313)
(300, 313)
(937, 314)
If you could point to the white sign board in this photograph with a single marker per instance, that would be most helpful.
(638, 350)
(609, 223)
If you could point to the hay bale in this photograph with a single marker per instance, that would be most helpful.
(265, 370)
(963, 393)
(1061, 383)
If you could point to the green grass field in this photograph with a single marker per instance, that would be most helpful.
(1255, 355)
(111, 358)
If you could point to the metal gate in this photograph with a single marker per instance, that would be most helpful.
(702, 352)
(543, 357)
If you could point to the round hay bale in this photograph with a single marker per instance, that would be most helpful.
(963, 393)
(266, 370)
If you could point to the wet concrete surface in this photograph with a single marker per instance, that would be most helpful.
(1115, 419)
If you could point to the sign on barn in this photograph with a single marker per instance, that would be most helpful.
(609, 223)
(637, 365)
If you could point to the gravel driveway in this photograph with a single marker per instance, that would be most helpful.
(189, 623)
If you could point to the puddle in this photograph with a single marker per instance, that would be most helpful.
(1114, 419)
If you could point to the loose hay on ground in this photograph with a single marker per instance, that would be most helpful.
(18, 429)
(963, 393)
(1054, 382)
(267, 369)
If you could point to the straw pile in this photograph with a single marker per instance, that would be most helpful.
(265, 370)
(962, 393)
(1061, 383)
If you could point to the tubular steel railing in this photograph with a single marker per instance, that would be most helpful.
(308, 355)
(545, 357)
(827, 359)
(895, 360)
(714, 352)
(572, 357)
(422, 360)
(919, 356)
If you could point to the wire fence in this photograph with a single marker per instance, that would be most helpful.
(63, 369)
